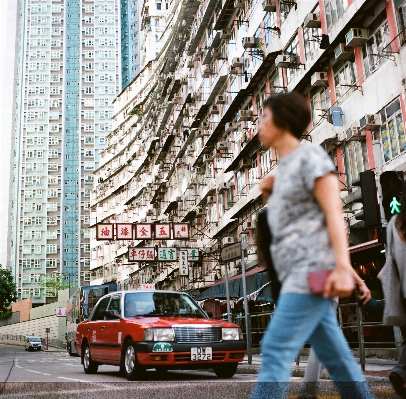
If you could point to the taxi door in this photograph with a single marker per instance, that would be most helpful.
(95, 331)
(110, 334)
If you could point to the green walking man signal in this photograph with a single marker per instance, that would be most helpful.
(395, 206)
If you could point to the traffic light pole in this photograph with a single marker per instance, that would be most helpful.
(378, 164)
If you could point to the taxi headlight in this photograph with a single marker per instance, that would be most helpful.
(159, 334)
(231, 334)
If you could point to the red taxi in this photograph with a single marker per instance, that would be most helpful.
(161, 330)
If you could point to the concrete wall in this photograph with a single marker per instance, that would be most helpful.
(23, 307)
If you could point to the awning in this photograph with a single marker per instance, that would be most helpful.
(365, 245)
(255, 279)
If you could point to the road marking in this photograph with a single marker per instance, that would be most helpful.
(37, 372)
(19, 367)
(73, 379)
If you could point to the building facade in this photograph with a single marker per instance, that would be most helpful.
(184, 145)
(67, 75)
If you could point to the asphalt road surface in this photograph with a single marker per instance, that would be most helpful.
(57, 375)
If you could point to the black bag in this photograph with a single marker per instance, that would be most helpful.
(264, 239)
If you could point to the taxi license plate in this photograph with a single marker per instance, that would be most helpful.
(198, 354)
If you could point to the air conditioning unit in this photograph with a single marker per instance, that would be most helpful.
(245, 115)
(221, 145)
(215, 109)
(354, 134)
(284, 61)
(312, 20)
(370, 122)
(249, 42)
(220, 99)
(319, 79)
(225, 34)
(223, 186)
(227, 240)
(211, 199)
(237, 62)
(248, 226)
(230, 126)
(232, 70)
(356, 37)
(244, 163)
(342, 52)
(269, 5)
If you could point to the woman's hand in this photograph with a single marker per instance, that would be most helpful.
(365, 296)
(266, 186)
(339, 283)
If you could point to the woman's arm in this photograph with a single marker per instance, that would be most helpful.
(341, 280)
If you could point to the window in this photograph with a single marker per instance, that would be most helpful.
(344, 78)
(52, 206)
(158, 6)
(26, 278)
(89, 165)
(52, 221)
(319, 103)
(98, 313)
(392, 133)
(27, 249)
(37, 249)
(334, 10)
(293, 50)
(52, 248)
(25, 293)
(355, 160)
(375, 45)
(89, 66)
(51, 235)
(49, 263)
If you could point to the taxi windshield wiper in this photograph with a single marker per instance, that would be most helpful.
(187, 315)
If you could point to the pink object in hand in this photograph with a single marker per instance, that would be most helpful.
(317, 281)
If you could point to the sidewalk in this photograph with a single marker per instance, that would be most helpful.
(376, 369)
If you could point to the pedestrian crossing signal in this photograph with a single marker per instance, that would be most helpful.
(391, 183)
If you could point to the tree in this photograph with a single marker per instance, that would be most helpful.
(8, 290)
(53, 283)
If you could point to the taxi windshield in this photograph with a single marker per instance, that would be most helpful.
(160, 304)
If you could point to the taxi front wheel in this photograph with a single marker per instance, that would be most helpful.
(89, 365)
(225, 370)
(129, 363)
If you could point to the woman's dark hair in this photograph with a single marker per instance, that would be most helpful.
(289, 111)
(401, 217)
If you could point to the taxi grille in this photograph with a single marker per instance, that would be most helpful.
(197, 335)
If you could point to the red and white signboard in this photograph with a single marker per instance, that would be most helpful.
(162, 231)
(124, 231)
(105, 231)
(147, 286)
(141, 254)
(180, 231)
(143, 231)
(60, 312)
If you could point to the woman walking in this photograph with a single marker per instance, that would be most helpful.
(308, 235)
(396, 250)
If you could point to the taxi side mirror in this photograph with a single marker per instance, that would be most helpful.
(112, 314)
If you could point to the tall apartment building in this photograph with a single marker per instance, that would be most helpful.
(68, 73)
(130, 41)
(184, 144)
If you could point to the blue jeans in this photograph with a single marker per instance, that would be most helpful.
(298, 319)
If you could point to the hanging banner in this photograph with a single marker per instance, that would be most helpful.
(140, 254)
(105, 231)
(124, 231)
(143, 231)
(167, 254)
(162, 231)
(180, 231)
(183, 263)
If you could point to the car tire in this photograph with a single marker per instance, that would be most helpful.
(130, 367)
(89, 366)
(226, 370)
(70, 350)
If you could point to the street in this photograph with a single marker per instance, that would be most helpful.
(57, 375)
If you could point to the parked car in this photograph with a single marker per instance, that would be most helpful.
(161, 330)
(32, 343)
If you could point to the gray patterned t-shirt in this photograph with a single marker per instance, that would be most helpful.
(300, 241)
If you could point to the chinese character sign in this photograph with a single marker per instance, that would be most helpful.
(60, 312)
(140, 254)
(105, 231)
(162, 231)
(180, 231)
(183, 263)
(193, 254)
(167, 254)
(124, 231)
(143, 231)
